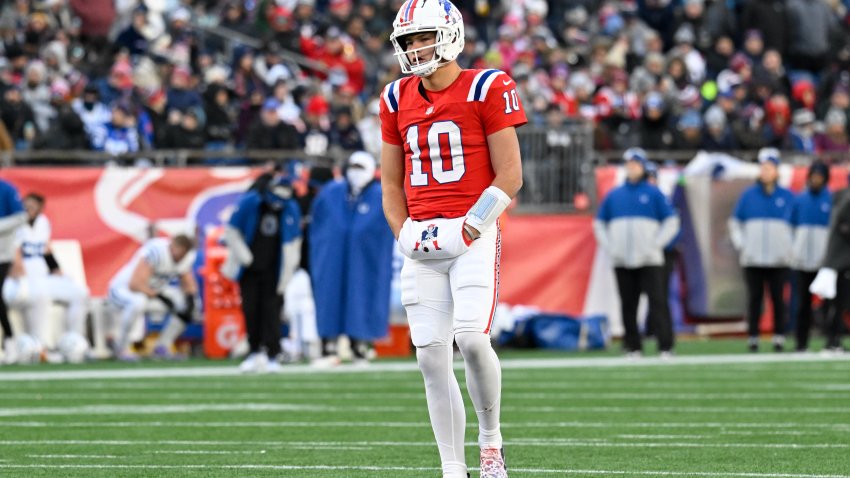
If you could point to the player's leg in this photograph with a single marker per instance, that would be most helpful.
(73, 297)
(175, 324)
(36, 309)
(132, 306)
(474, 282)
(426, 296)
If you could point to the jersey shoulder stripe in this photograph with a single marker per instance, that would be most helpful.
(481, 84)
(391, 96)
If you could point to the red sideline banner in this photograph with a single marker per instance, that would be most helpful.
(547, 262)
(111, 211)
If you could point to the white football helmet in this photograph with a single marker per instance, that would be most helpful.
(73, 347)
(417, 16)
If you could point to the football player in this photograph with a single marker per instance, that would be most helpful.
(450, 164)
(146, 279)
(42, 269)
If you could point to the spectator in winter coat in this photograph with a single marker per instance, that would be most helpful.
(717, 136)
(834, 138)
(66, 130)
(221, 117)
(760, 232)
(655, 123)
(344, 133)
(120, 135)
(812, 24)
(802, 133)
(187, 133)
(17, 116)
(634, 224)
(93, 113)
(269, 132)
(810, 220)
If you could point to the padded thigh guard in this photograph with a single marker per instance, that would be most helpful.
(443, 297)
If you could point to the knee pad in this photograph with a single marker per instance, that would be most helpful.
(433, 360)
(473, 345)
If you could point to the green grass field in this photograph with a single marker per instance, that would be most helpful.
(705, 414)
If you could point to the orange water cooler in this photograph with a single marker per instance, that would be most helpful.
(224, 324)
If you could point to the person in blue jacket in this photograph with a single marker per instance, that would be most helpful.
(263, 240)
(671, 253)
(761, 233)
(351, 253)
(12, 216)
(809, 217)
(634, 224)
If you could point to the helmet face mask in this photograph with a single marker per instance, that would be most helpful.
(423, 16)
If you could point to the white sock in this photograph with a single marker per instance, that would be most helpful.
(445, 406)
(484, 382)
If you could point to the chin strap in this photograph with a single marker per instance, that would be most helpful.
(487, 209)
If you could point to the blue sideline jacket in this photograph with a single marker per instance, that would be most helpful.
(810, 220)
(351, 262)
(759, 227)
(634, 224)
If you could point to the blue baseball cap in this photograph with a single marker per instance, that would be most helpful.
(636, 154)
(769, 155)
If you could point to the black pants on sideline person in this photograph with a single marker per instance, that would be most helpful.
(4, 311)
(756, 278)
(649, 280)
(804, 308)
(835, 319)
(261, 305)
(670, 258)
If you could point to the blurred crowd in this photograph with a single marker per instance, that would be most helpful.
(131, 75)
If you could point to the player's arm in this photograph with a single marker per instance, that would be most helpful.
(188, 283)
(392, 186)
(140, 280)
(16, 271)
(501, 114)
(504, 155)
(52, 264)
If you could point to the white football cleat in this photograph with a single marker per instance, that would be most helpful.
(328, 361)
(273, 366)
(493, 463)
(255, 362)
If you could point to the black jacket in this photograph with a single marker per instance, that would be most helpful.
(838, 242)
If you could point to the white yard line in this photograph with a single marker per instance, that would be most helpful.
(157, 409)
(160, 409)
(507, 364)
(153, 394)
(533, 442)
(757, 428)
(71, 456)
(408, 469)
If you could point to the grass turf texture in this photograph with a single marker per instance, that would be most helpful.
(778, 419)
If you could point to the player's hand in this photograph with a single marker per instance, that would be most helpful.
(433, 239)
(169, 304)
(470, 234)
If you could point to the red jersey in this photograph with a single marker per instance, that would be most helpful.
(446, 157)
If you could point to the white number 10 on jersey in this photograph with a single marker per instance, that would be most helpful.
(441, 175)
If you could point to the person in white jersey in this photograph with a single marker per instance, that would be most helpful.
(147, 278)
(42, 281)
